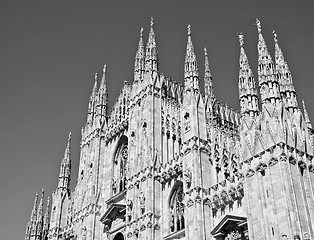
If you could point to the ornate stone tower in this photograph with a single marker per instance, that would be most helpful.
(277, 156)
(171, 162)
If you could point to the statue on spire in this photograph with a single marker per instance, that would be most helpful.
(151, 22)
(241, 39)
(141, 32)
(275, 36)
(258, 25)
(189, 30)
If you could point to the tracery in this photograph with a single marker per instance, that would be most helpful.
(177, 210)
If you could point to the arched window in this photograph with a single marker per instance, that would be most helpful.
(176, 207)
(118, 236)
(119, 166)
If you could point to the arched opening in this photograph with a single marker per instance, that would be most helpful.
(119, 166)
(176, 208)
(118, 236)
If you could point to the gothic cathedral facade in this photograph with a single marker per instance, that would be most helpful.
(171, 162)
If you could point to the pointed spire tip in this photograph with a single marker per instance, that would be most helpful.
(275, 36)
(141, 32)
(205, 51)
(189, 29)
(151, 21)
(258, 25)
(241, 39)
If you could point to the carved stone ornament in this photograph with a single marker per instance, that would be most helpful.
(198, 199)
(136, 231)
(215, 187)
(142, 202)
(224, 198)
(188, 176)
(190, 203)
(129, 234)
(157, 227)
(223, 183)
(84, 233)
(261, 167)
(283, 157)
(302, 164)
(234, 235)
(292, 160)
(273, 161)
(129, 204)
(114, 185)
(232, 194)
(284, 237)
(214, 205)
(240, 190)
(143, 228)
(306, 236)
(207, 201)
(231, 179)
(250, 173)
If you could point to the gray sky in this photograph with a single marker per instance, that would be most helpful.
(50, 50)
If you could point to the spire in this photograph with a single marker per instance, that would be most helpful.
(284, 77)
(33, 219)
(31, 225)
(151, 57)
(40, 207)
(28, 230)
(65, 168)
(46, 220)
(39, 223)
(139, 65)
(191, 77)
(102, 99)
(208, 80)
(268, 82)
(306, 116)
(247, 89)
(91, 104)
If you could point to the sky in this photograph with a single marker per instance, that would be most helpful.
(50, 51)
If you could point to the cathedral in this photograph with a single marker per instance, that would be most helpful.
(171, 161)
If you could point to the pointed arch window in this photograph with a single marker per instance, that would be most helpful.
(119, 166)
(176, 207)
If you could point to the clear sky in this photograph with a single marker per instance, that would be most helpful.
(50, 50)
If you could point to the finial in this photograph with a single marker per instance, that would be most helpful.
(48, 204)
(69, 137)
(205, 51)
(258, 25)
(306, 115)
(151, 21)
(35, 201)
(42, 192)
(241, 39)
(275, 36)
(96, 76)
(141, 32)
(189, 30)
(104, 68)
